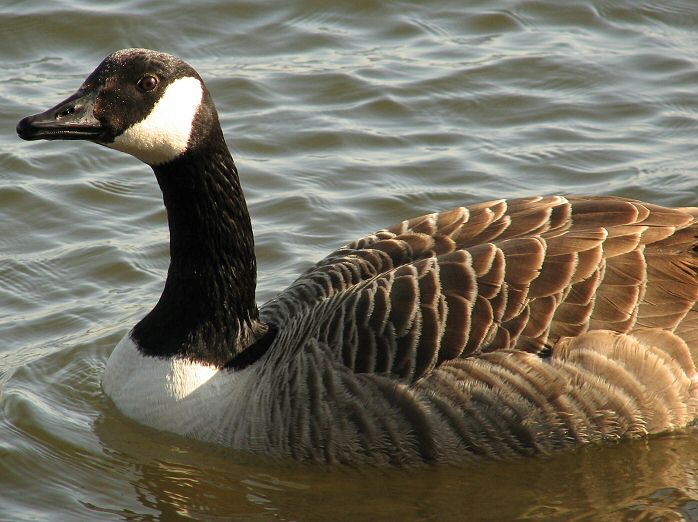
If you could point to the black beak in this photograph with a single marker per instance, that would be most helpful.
(72, 119)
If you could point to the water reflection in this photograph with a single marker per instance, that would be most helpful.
(639, 480)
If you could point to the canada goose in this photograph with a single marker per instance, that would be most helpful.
(505, 328)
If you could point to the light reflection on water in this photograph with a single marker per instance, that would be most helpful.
(342, 119)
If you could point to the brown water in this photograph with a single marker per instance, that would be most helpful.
(343, 117)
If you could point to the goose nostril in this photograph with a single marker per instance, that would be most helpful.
(65, 112)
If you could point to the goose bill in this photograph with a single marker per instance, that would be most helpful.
(72, 119)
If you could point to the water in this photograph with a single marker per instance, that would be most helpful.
(343, 118)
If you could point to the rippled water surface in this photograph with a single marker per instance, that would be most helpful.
(343, 117)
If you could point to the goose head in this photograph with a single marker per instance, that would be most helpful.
(149, 104)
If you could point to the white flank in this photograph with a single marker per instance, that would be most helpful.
(163, 135)
(173, 394)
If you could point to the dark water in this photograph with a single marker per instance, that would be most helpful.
(343, 117)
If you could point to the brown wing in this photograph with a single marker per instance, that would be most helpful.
(503, 274)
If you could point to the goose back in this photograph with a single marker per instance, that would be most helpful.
(517, 274)
(504, 328)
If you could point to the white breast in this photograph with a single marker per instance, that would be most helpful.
(177, 395)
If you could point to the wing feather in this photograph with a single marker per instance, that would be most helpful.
(500, 275)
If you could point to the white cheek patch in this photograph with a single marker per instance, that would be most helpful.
(163, 135)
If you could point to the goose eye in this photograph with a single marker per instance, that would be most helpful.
(147, 83)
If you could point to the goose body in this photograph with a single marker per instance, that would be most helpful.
(511, 327)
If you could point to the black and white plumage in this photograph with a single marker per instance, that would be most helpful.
(500, 329)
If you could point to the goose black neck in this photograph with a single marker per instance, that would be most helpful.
(207, 311)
